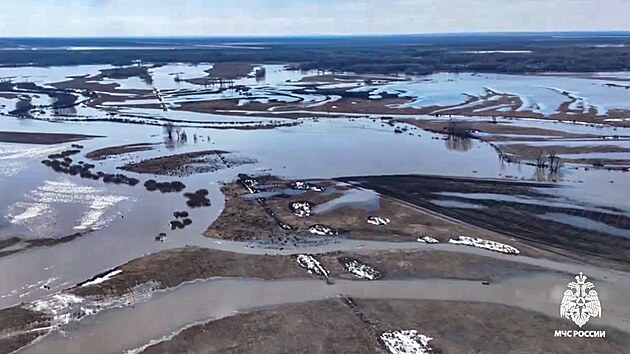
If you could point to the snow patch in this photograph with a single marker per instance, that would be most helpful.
(406, 342)
(311, 265)
(321, 230)
(305, 186)
(360, 269)
(427, 239)
(104, 278)
(65, 307)
(377, 220)
(301, 209)
(485, 244)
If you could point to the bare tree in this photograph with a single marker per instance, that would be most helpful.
(169, 129)
(459, 129)
(554, 161)
(541, 159)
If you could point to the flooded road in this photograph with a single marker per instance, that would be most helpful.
(169, 311)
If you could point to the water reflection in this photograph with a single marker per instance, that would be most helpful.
(459, 144)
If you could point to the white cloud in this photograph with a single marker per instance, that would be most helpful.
(298, 17)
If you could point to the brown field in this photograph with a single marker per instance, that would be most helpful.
(42, 138)
(228, 70)
(353, 326)
(114, 151)
(18, 327)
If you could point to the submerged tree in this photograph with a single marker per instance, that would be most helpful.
(554, 161)
(169, 131)
(459, 129)
(541, 159)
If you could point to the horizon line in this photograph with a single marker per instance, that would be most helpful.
(315, 35)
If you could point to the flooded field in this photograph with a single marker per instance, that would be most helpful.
(152, 158)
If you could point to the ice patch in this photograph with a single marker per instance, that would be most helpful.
(406, 342)
(485, 244)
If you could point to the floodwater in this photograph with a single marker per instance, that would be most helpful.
(167, 312)
(587, 224)
(128, 226)
(121, 222)
(540, 94)
(357, 197)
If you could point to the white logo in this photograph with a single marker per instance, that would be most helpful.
(580, 302)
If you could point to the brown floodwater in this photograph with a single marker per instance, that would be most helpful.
(167, 312)
(36, 202)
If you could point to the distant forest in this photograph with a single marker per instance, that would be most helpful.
(421, 54)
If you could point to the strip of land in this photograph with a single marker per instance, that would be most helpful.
(42, 138)
(348, 325)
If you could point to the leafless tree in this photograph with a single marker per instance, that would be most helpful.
(554, 161)
(459, 129)
(169, 130)
(541, 159)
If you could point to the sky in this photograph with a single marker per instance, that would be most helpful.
(112, 18)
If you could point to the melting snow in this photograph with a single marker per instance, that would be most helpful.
(102, 279)
(406, 342)
(66, 307)
(62, 307)
(485, 244)
(377, 220)
(312, 265)
(301, 209)
(322, 230)
(305, 186)
(360, 269)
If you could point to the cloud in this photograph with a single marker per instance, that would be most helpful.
(299, 17)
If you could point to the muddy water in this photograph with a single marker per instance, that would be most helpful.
(128, 328)
(315, 149)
